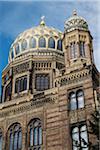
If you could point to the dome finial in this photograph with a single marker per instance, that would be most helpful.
(42, 22)
(74, 12)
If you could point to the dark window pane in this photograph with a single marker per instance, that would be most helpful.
(19, 139)
(15, 140)
(31, 137)
(12, 54)
(17, 49)
(59, 45)
(11, 142)
(51, 43)
(21, 84)
(42, 42)
(8, 91)
(40, 136)
(35, 134)
(15, 137)
(0, 140)
(42, 82)
(25, 84)
(82, 49)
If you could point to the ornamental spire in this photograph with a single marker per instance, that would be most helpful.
(74, 12)
(42, 22)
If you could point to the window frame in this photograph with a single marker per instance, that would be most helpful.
(59, 45)
(41, 43)
(32, 126)
(1, 139)
(51, 43)
(7, 91)
(79, 125)
(24, 45)
(31, 42)
(19, 84)
(82, 48)
(17, 49)
(43, 82)
(76, 91)
(13, 133)
(73, 50)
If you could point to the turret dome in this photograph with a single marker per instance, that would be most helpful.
(75, 22)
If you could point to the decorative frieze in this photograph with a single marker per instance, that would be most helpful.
(21, 68)
(71, 78)
(35, 102)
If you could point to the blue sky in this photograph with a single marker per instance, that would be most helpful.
(17, 16)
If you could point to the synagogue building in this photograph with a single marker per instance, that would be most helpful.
(49, 88)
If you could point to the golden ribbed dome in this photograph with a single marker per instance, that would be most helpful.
(37, 38)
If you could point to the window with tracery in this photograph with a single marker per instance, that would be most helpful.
(35, 134)
(24, 45)
(59, 45)
(32, 42)
(73, 50)
(15, 137)
(21, 84)
(17, 49)
(51, 43)
(79, 137)
(76, 100)
(12, 54)
(82, 49)
(42, 42)
(1, 139)
(42, 82)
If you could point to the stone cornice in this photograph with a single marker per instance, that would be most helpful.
(72, 77)
(28, 105)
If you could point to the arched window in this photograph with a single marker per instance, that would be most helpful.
(80, 98)
(75, 137)
(42, 42)
(24, 45)
(8, 91)
(15, 137)
(32, 42)
(59, 45)
(0, 139)
(12, 54)
(51, 43)
(17, 49)
(35, 134)
(80, 137)
(76, 100)
(73, 103)
(82, 49)
(73, 50)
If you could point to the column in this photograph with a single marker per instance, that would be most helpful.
(24, 138)
(78, 50)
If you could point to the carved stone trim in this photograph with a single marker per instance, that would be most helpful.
(21, 68)
(33, 103)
